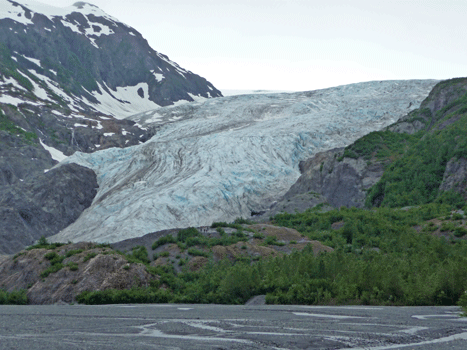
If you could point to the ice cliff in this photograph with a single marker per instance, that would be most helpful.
(222, 158)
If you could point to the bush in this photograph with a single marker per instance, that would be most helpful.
(73, 252)
(72, 266)
(182, 235)
(240, 221)
(272, 240)
(460, 231)
(89, 256)
(463, 302)
(197, 252)
(52, 269)
(18, 297)
(139, 254)
(162, 241)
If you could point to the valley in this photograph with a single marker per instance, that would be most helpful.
(125, 178)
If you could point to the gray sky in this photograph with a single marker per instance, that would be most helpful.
(301, 44)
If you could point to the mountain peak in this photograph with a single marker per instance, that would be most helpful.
(81, 4)
(23, 11)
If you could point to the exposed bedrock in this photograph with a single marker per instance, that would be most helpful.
(43, 205)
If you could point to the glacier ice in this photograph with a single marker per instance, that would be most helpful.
(224, 157)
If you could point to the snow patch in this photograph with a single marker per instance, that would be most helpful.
(159, 77)
(10, 100)
(197, 98)
(14, 83)
(122, 102)
(14, 12)
(99, 126)
(104, 30)
(93, 42)
(52, 85)
(33, 60)
(55, 153)
(72, 26)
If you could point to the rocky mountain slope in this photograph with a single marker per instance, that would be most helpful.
(370, 169)
(224, 158)
(68, 77)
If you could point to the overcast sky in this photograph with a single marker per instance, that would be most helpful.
(301, 44)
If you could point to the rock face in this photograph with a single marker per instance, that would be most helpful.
(326, 178)
(226, 157)
(43, 205)
(455, 177)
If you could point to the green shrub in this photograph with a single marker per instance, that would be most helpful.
(73, 252)
(90, 256)
(17, 297)
(272, 240)
(139, 254)
(51, 256)
(42, 243)
(240, 221)
(447, 226)
(182, 235)
(460, 231)
(162, 241)
(463, 302)
(72, 266)
(197, 252)
(52, 269)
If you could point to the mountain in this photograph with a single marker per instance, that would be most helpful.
(227, 157)
(68, 78)
(80, 57)
(69, 75)
(419, 159)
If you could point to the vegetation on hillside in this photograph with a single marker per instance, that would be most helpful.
(380, 258)
(416, 176)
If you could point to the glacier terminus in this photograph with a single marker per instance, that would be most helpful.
(222, 158)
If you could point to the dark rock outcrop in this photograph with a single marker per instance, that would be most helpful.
(330, 179)
(455, 177)
(43, 205)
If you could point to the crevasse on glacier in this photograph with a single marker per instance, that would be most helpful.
(222, 158)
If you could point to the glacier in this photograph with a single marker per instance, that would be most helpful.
(223, 158)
